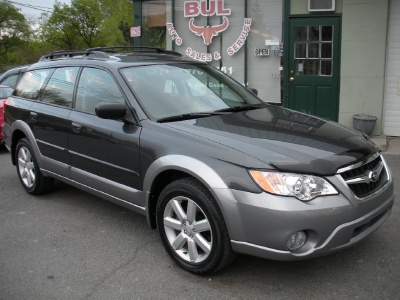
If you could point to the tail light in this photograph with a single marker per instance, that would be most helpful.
(5, 104)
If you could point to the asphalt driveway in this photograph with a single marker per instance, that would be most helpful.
(68, 244)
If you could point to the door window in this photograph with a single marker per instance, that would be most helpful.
(96, 86)
(313, 50)
(60, 88)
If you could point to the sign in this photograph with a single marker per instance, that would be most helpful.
(261, 52)
(192, 9)
(135, 31)
(271, 42)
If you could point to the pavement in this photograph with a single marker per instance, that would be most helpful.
(388, 144)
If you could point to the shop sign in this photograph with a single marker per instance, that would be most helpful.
(135, 31)
(193, 9)
(261, 52)
(271, 42)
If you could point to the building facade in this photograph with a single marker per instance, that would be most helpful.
(330, 58)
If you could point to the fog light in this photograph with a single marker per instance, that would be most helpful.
(297, 240)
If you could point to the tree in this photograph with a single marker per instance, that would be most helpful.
(14, 29)
(87, 23)
(71, 27)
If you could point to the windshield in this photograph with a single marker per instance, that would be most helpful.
(178, 89)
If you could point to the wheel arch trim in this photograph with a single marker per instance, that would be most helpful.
(194, 167)
(26, 130)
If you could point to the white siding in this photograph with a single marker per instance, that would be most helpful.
(391, 124)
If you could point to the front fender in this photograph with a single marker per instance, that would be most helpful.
(197, 169)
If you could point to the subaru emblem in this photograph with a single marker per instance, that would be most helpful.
(373, 176)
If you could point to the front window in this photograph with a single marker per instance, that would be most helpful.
(176, 89)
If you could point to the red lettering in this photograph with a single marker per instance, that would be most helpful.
(188, 51)
(191, 9)
(178, 41)
(169, 25)
(239, 43)
(235, 47)
(243, 35)
(217, 56)
(209, 57)
(230, 51)
(221, 11)
(247, 21)
(211, 8)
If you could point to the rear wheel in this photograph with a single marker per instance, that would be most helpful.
(192, 227)
(28, 170)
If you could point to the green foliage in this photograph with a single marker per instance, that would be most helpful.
(87, 23)
(82, 24)
(14, 30)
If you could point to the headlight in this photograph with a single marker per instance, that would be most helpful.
(303, 187)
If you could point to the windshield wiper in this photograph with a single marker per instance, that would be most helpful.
(242, 107)
(187, 117)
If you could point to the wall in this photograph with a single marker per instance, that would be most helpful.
(364, 27)
(392, 89)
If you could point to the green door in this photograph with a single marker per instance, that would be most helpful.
(314, 66)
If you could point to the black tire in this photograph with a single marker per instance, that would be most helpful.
(201, 211)
(28, 169)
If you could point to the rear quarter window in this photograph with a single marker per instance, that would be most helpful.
(31, 83)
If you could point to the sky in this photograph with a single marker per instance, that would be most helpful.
(42, 4)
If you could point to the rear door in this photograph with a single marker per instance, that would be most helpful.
(104, 153)
(49, 117)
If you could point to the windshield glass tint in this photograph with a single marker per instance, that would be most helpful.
(176, 89)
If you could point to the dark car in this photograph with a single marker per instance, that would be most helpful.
(214, 168)
(5, 92)
(12, 77)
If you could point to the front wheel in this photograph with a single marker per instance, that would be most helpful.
(192, 227)
(28, 170)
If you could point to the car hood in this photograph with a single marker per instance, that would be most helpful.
(288, 140)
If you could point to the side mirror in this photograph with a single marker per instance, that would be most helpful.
(254, 91)
(113, 111)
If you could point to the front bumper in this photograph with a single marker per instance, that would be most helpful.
(261, 224)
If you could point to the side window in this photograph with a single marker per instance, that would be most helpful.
(96, 86)
(31, 83)
(10, 80)
(60, 88)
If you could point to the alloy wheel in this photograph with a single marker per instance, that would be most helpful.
(26, 167)
(187, 229)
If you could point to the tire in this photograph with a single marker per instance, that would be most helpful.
(28, 170)
(192, 228)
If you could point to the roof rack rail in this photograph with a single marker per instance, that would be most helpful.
(142, 48)
(99, 52)
(71, 53)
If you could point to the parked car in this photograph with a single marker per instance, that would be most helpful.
(12, 77)
(215, 169)
(5, 92)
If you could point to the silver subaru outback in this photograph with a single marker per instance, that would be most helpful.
(215, 169)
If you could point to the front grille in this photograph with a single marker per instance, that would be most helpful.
(361, 180)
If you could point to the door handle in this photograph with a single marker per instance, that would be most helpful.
(291, 79)
(34, 115)
(76, 127)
